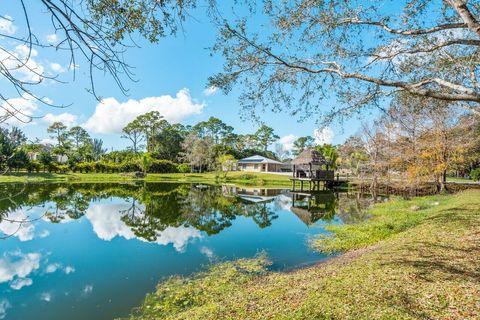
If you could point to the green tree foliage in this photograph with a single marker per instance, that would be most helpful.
(214, 128)
(79, 136)
(97, 149)
(425, 50)
(45, 158)
(475, 174)
(264, 137)
(59, 133)
(330, 153)
(301, 144)
(198, 152)
(18, 160)
(11, 154)
(134, 133)
(352, 155)
(150, 124)
(168, 141)
(145, 162)
(226, 163)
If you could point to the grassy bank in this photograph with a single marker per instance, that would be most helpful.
(414, 259)
(240, 178)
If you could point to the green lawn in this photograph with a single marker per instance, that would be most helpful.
(240, 178)
(416, 259)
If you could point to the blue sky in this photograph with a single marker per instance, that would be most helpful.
(171, 76)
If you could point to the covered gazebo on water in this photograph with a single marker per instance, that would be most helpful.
(311, 166)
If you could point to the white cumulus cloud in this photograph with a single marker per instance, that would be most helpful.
(207, 252)
(44, 234)
(6, 26)
(69, 269)
(18, 110)
(19, 283)
(17, 264)
(52, 38)
(287, 142)
(56, 67)
(210, 91)
(111, 116)
(23, 231)
(66, 118)
(323, 136)
(46, 296)
(107, 224)
(51, 268)
(21, 61)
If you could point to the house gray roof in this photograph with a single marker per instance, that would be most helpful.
(258, 159)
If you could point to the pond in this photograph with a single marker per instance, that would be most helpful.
(92, 251)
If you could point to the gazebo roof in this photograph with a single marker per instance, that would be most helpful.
(307, 216)
(310, 156)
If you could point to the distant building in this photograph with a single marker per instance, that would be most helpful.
(61, 158)
(258, 163)
(35, 156)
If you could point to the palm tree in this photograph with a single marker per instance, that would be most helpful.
(97, 148)
(330, 153)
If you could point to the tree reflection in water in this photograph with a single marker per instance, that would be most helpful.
(155, 207)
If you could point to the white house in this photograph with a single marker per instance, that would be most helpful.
(34, 156)
(258, 163)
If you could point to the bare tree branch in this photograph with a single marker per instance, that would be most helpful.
(463, 11)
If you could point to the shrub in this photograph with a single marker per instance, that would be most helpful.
(100, 167)
(33, 166)
(53, 167)
(475, 174)
(85, 167)
(113, 167)
(183, 168)
(64, 168)
(129, 166)
(162, 166)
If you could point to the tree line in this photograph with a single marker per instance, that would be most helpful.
(155, 145)
(415, 141)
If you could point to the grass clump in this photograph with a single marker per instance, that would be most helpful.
(425, 267)
(178, 294)
(387, 219)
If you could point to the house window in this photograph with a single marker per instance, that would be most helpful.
(255, 167)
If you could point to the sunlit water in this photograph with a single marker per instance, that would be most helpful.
(92, 251)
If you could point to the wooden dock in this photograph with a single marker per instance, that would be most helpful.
(316, 184)
(313, 184)
(312, 168)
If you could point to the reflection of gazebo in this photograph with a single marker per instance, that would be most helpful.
(311, 208)
(308, 166)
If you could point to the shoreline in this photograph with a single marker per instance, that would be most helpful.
(431, 259)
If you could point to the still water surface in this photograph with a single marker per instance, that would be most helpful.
(92, 251)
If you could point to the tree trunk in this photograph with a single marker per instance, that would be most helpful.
(443, 182)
